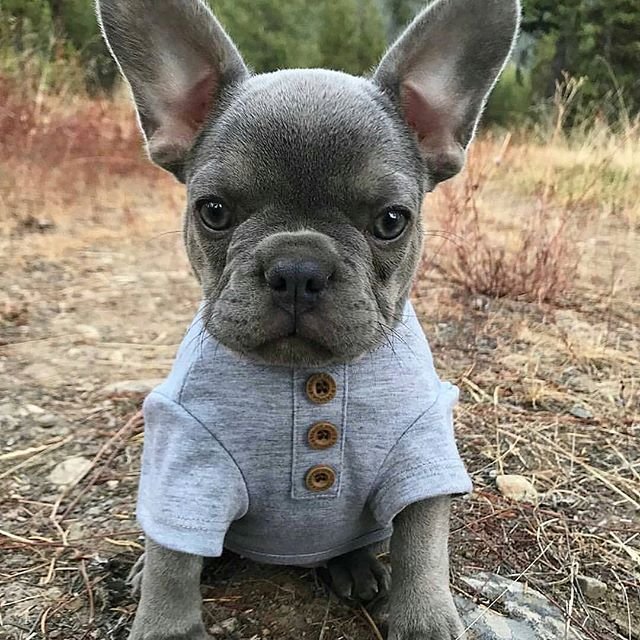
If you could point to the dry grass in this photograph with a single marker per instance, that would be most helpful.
(530, 210)
(529, 292)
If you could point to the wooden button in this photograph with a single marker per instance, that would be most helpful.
(322, 435)
(320, 478)
(321, 388)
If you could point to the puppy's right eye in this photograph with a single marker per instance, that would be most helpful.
(214, 214)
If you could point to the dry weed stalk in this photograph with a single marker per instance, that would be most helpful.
(536, 263)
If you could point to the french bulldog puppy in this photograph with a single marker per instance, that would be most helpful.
(303, 226)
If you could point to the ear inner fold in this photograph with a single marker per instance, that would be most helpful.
(434, 130)
(181, 121)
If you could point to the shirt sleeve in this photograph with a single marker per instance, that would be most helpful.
(191, 489)
(424, 462)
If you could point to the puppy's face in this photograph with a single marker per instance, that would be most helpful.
(304, 187)
(303, 219)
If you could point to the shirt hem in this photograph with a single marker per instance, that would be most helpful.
(185, 538)
(309, 559)
(424, 486)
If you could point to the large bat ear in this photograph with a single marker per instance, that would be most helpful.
(177, 59)
(441, 70)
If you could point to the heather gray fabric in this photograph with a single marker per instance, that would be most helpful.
(226, 452)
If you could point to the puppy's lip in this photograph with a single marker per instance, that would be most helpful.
(293, 342)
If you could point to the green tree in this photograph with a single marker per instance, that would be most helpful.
(595, 39)
(269, 33)
(351, 35)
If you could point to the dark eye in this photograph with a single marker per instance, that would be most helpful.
(390, 224)
(214, 214)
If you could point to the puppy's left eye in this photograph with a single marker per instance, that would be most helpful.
(390, 224)
(214, 214)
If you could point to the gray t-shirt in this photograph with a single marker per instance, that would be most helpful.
(294, 466)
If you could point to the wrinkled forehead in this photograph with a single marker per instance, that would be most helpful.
(304, 135)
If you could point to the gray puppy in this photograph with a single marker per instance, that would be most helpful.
(303, 227)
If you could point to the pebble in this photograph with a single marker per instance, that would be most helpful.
(41, 373)
(578, 411)
(517, 488)
(34, 409)
(69, 471)
(223, 628)
(8, 421)
(592, 588)
(75, 531)
(125, 387)
(46, 420)
(88, 332)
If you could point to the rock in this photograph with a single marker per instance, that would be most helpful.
(70, 470)
(223, 628)
(520, 612)
(112, 484)
(578, 411)
(75, 531)
(517, 488)
(34, 410)
(46, 420)
(88, 332)
(41, 373)
(8, 413)
(131, 387)
(592, 588)
(8, 421)
(40, 224)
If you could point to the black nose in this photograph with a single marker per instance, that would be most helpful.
(297, 284)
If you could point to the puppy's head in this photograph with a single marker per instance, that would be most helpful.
(305, 186)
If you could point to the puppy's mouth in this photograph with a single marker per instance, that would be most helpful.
(294, 339)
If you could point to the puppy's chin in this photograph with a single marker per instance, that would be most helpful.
(293, 342)
(277, 339)
(294, 351)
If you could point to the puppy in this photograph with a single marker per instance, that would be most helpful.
(303, 421)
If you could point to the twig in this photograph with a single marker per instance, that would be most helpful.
(87, 584)
(372, 624)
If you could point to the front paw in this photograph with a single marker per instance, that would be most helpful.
(139, 632)
(439, 621)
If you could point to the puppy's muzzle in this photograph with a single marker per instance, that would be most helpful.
(298, 268)
(298, 282)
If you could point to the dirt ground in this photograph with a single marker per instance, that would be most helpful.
(95, 290)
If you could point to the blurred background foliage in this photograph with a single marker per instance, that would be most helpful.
(55, 45)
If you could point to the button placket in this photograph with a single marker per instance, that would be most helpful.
(319, 407)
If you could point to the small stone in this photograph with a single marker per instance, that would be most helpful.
(131, 387)
(8, 421)
(592, 588)
(88, 332)
(112, 484)
(517, 488)
(75, 531)
(46, 420)
(70, 470)
(480, 303)
(34, 409)
(42, 373)
(117, 357)
(578, 411)
(223, 628)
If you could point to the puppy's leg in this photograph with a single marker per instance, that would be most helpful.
(359, 575)
(421, 605)
(170, 603)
